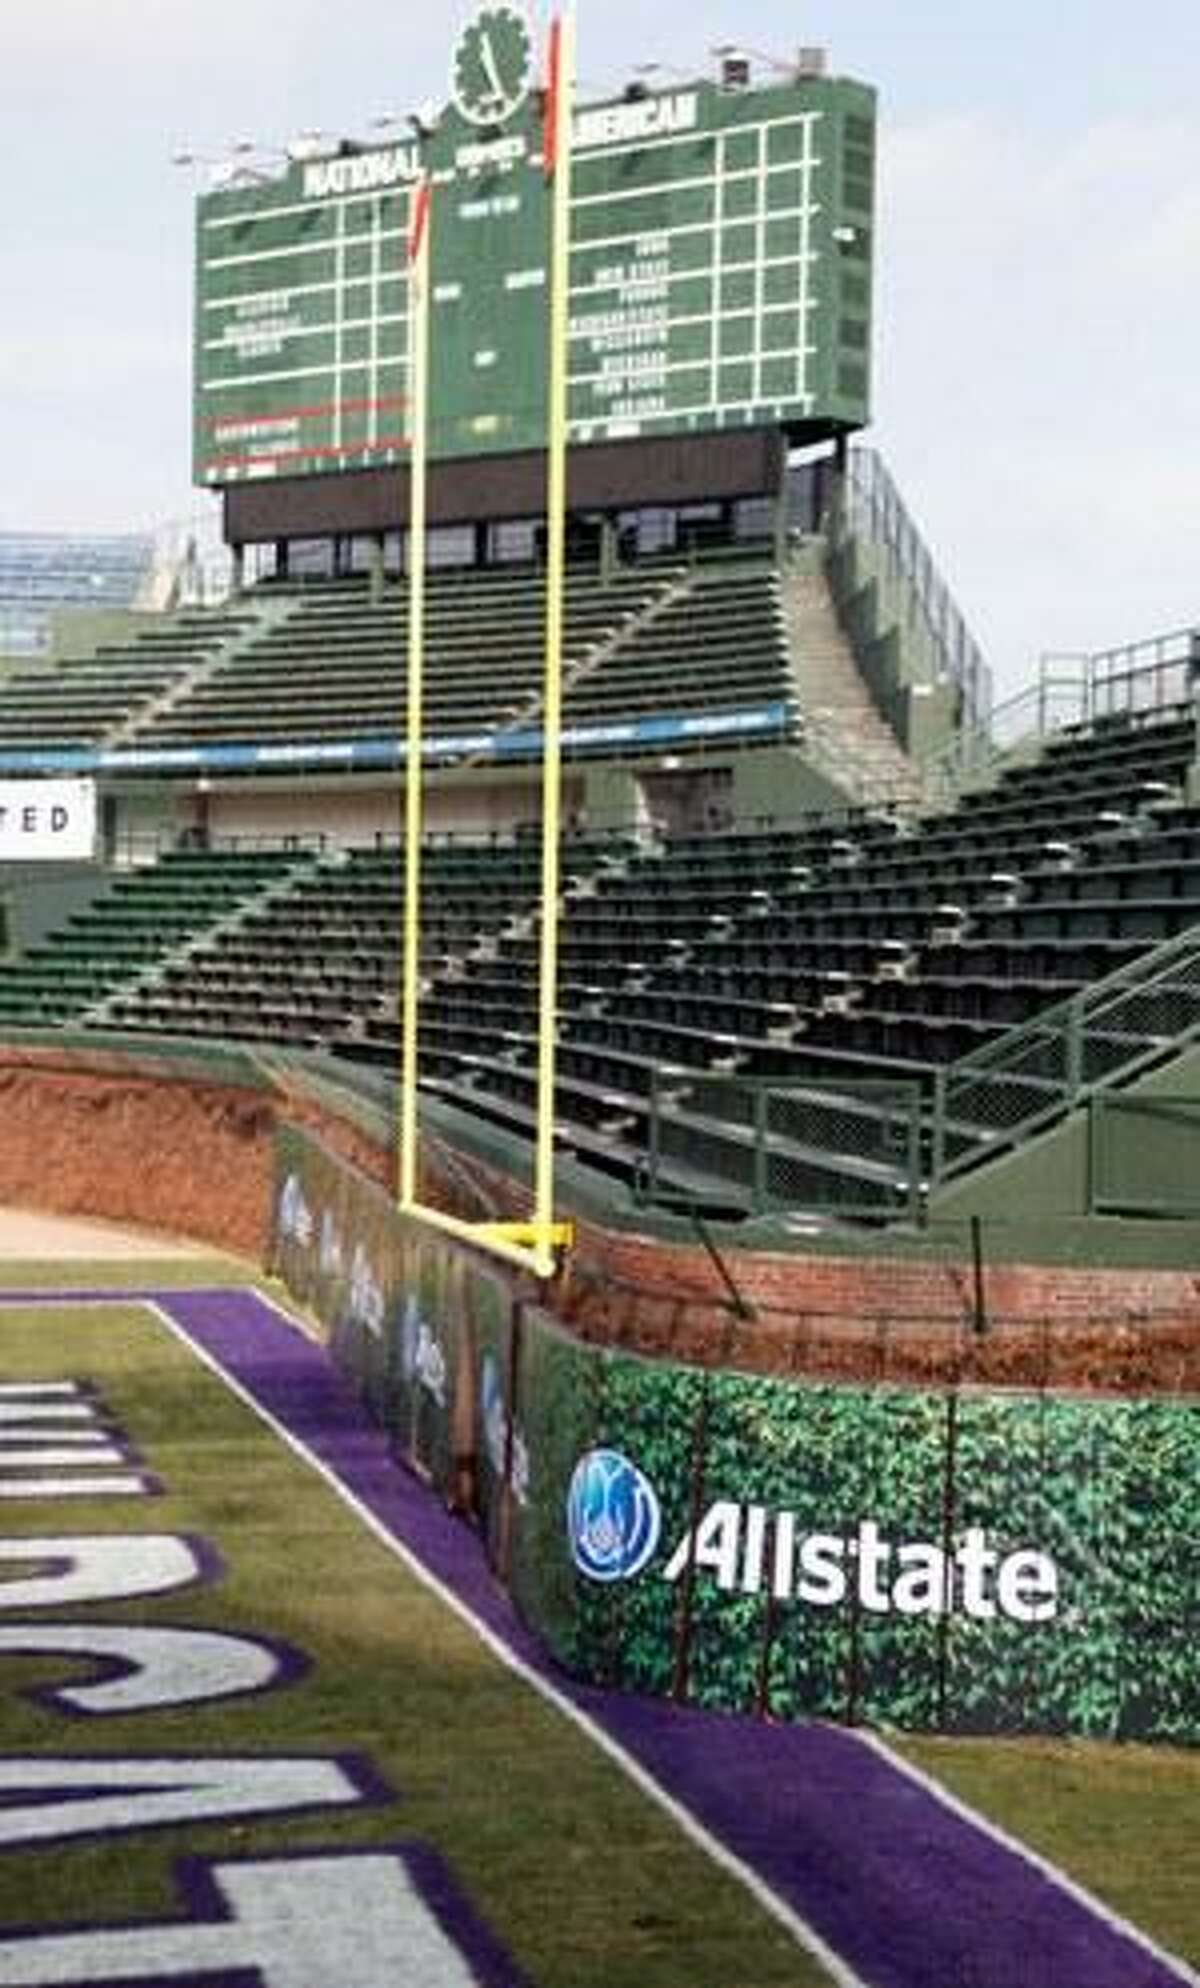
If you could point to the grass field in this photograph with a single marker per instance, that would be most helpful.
(582, 1878)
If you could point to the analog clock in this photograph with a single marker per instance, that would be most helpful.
(493, 65)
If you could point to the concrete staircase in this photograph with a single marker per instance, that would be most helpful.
(843, 730)
(575, 669)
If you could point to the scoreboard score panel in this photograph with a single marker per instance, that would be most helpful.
(720, 276)
(301, 334)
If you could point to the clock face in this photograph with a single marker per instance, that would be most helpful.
(493, 65)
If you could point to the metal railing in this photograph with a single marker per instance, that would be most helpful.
(876, 1150)
(1137, 683)
(999, 1095)
(1143, 677)
(874, 509)
(1012, 730)
(139, 848)
(771, 1145)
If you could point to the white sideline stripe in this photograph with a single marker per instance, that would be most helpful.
(682, 1817)
(1051, 1872)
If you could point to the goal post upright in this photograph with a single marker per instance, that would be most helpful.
(533, 1245)
(420, 228)
(557, 146)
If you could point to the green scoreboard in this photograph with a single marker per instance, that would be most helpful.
(720, 276)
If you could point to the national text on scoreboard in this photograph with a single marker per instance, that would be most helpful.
(721, 277)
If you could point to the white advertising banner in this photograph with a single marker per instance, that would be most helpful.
(47, 820)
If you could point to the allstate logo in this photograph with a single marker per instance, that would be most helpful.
(295, 1215)
(491, 1402)
(613, 1517)
(410, 1337)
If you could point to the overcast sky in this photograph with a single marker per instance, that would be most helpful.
(1037, 381)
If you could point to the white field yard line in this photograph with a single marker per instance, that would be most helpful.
(1051, 1872)
(804, 1934)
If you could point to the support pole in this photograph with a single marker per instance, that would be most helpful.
(418, 394)
(979, 1307)
(558, 135)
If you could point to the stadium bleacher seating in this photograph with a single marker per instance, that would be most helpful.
(96, 700)
(142, 918)
(326, 662)
(338, 655)
(872, 949)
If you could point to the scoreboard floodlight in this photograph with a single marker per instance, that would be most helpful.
(720, 274)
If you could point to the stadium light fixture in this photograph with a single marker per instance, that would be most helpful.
(243, 163)
(422, 122)
(221, 170)
(735, 65)
(735, 50)
(648, 76)
(307, 145)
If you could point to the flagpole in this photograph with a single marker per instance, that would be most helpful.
(420, 225)
(558, 165)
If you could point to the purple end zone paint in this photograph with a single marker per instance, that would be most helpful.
(908, 1893)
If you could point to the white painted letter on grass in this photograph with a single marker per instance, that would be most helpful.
(49, 1801)
(97, 1567)
(149, 1669)
(355, 1921)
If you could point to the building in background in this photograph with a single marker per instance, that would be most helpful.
(42, 572)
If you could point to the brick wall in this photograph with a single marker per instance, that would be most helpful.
(86, 1133)
(80, 1135)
